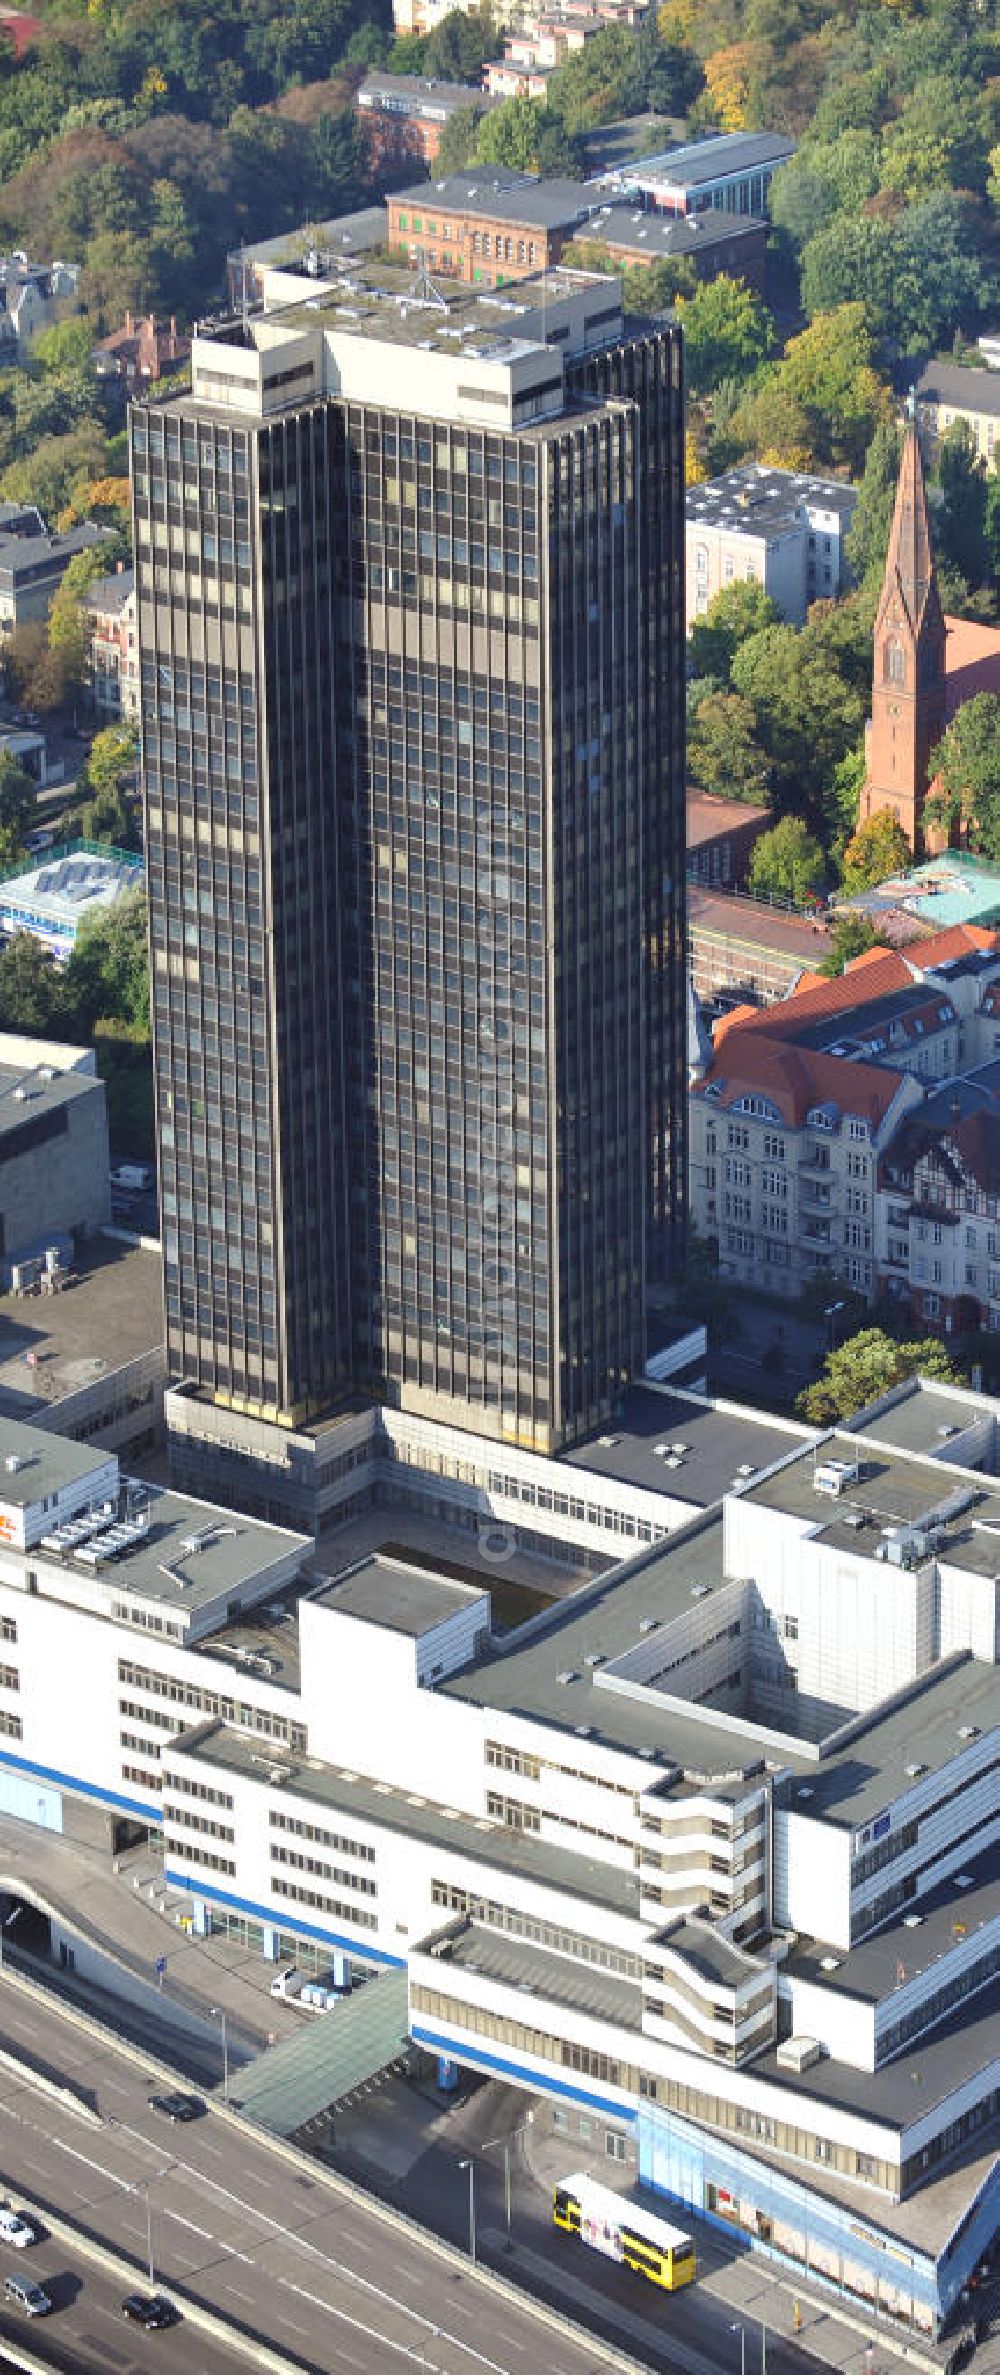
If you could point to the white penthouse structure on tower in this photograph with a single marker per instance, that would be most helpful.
(710, 1850)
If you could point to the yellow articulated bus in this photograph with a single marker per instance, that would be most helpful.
(624, 2231)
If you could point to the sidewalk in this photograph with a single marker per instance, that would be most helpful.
(758, 2292)
(130, 1917)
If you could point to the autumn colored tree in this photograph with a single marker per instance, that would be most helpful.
(878, 848)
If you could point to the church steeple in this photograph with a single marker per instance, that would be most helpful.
(908, 689)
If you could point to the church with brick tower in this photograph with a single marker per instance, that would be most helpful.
(909, 687)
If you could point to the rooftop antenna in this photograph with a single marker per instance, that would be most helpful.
(423, 287)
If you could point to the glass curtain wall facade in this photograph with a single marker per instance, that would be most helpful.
(412, 752)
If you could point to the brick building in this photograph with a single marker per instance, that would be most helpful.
(486, 226)
(141, 352)
(403, 117)
(721, 836)
(908, 680)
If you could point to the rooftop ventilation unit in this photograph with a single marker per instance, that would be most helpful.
(609, 1442)
(594, 1657)
(912, 1921)
(968, 1731)
(963, 1880)
(700, 1591)
(647, 1753)
(805, 1791)
(912, 1771)
(584, 1731)
(567, 1675)
(797, 2053)
(829, 1962)
(648, 1624)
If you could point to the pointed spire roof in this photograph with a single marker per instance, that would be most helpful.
(909, 567)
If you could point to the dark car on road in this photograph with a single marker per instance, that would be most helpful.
(179, 2107)
(151, 2311)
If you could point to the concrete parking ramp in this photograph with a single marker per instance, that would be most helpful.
(335, 2053)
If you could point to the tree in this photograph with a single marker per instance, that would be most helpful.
(864, 1368)
(878, 848)
(526, 134)
(787, 863)
(850, 936)
(960, 524)
(107, 972)
(808, 715)
(727, 333)
(736, 611)
(828, 370)
(100, 811)
(67, 631)
(867, 539)
(48, 475)
(967, 765)
(17, 804)
(723, 752)
(457, 145)
(30, 987)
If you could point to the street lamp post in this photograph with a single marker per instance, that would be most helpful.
(742, 2332)
(505, 2144)
(471, 2167)
(219, 2013)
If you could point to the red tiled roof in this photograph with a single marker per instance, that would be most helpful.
(797, 1078)
(961, 940)
(875, 974)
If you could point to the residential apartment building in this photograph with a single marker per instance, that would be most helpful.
(657, 1859)
(947, 392)
(421, 16)
(140, 352)
(802, 1101)
(112, 653)
(32, 567)
(784, 1147)
(32, 297)
(412, 722)
(782, 529)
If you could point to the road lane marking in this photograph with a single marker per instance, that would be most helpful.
(279, 2232)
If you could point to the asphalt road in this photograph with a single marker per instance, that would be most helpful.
(268, 2247)
(87, 2334)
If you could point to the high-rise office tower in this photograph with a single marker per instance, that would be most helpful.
(411, 630)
